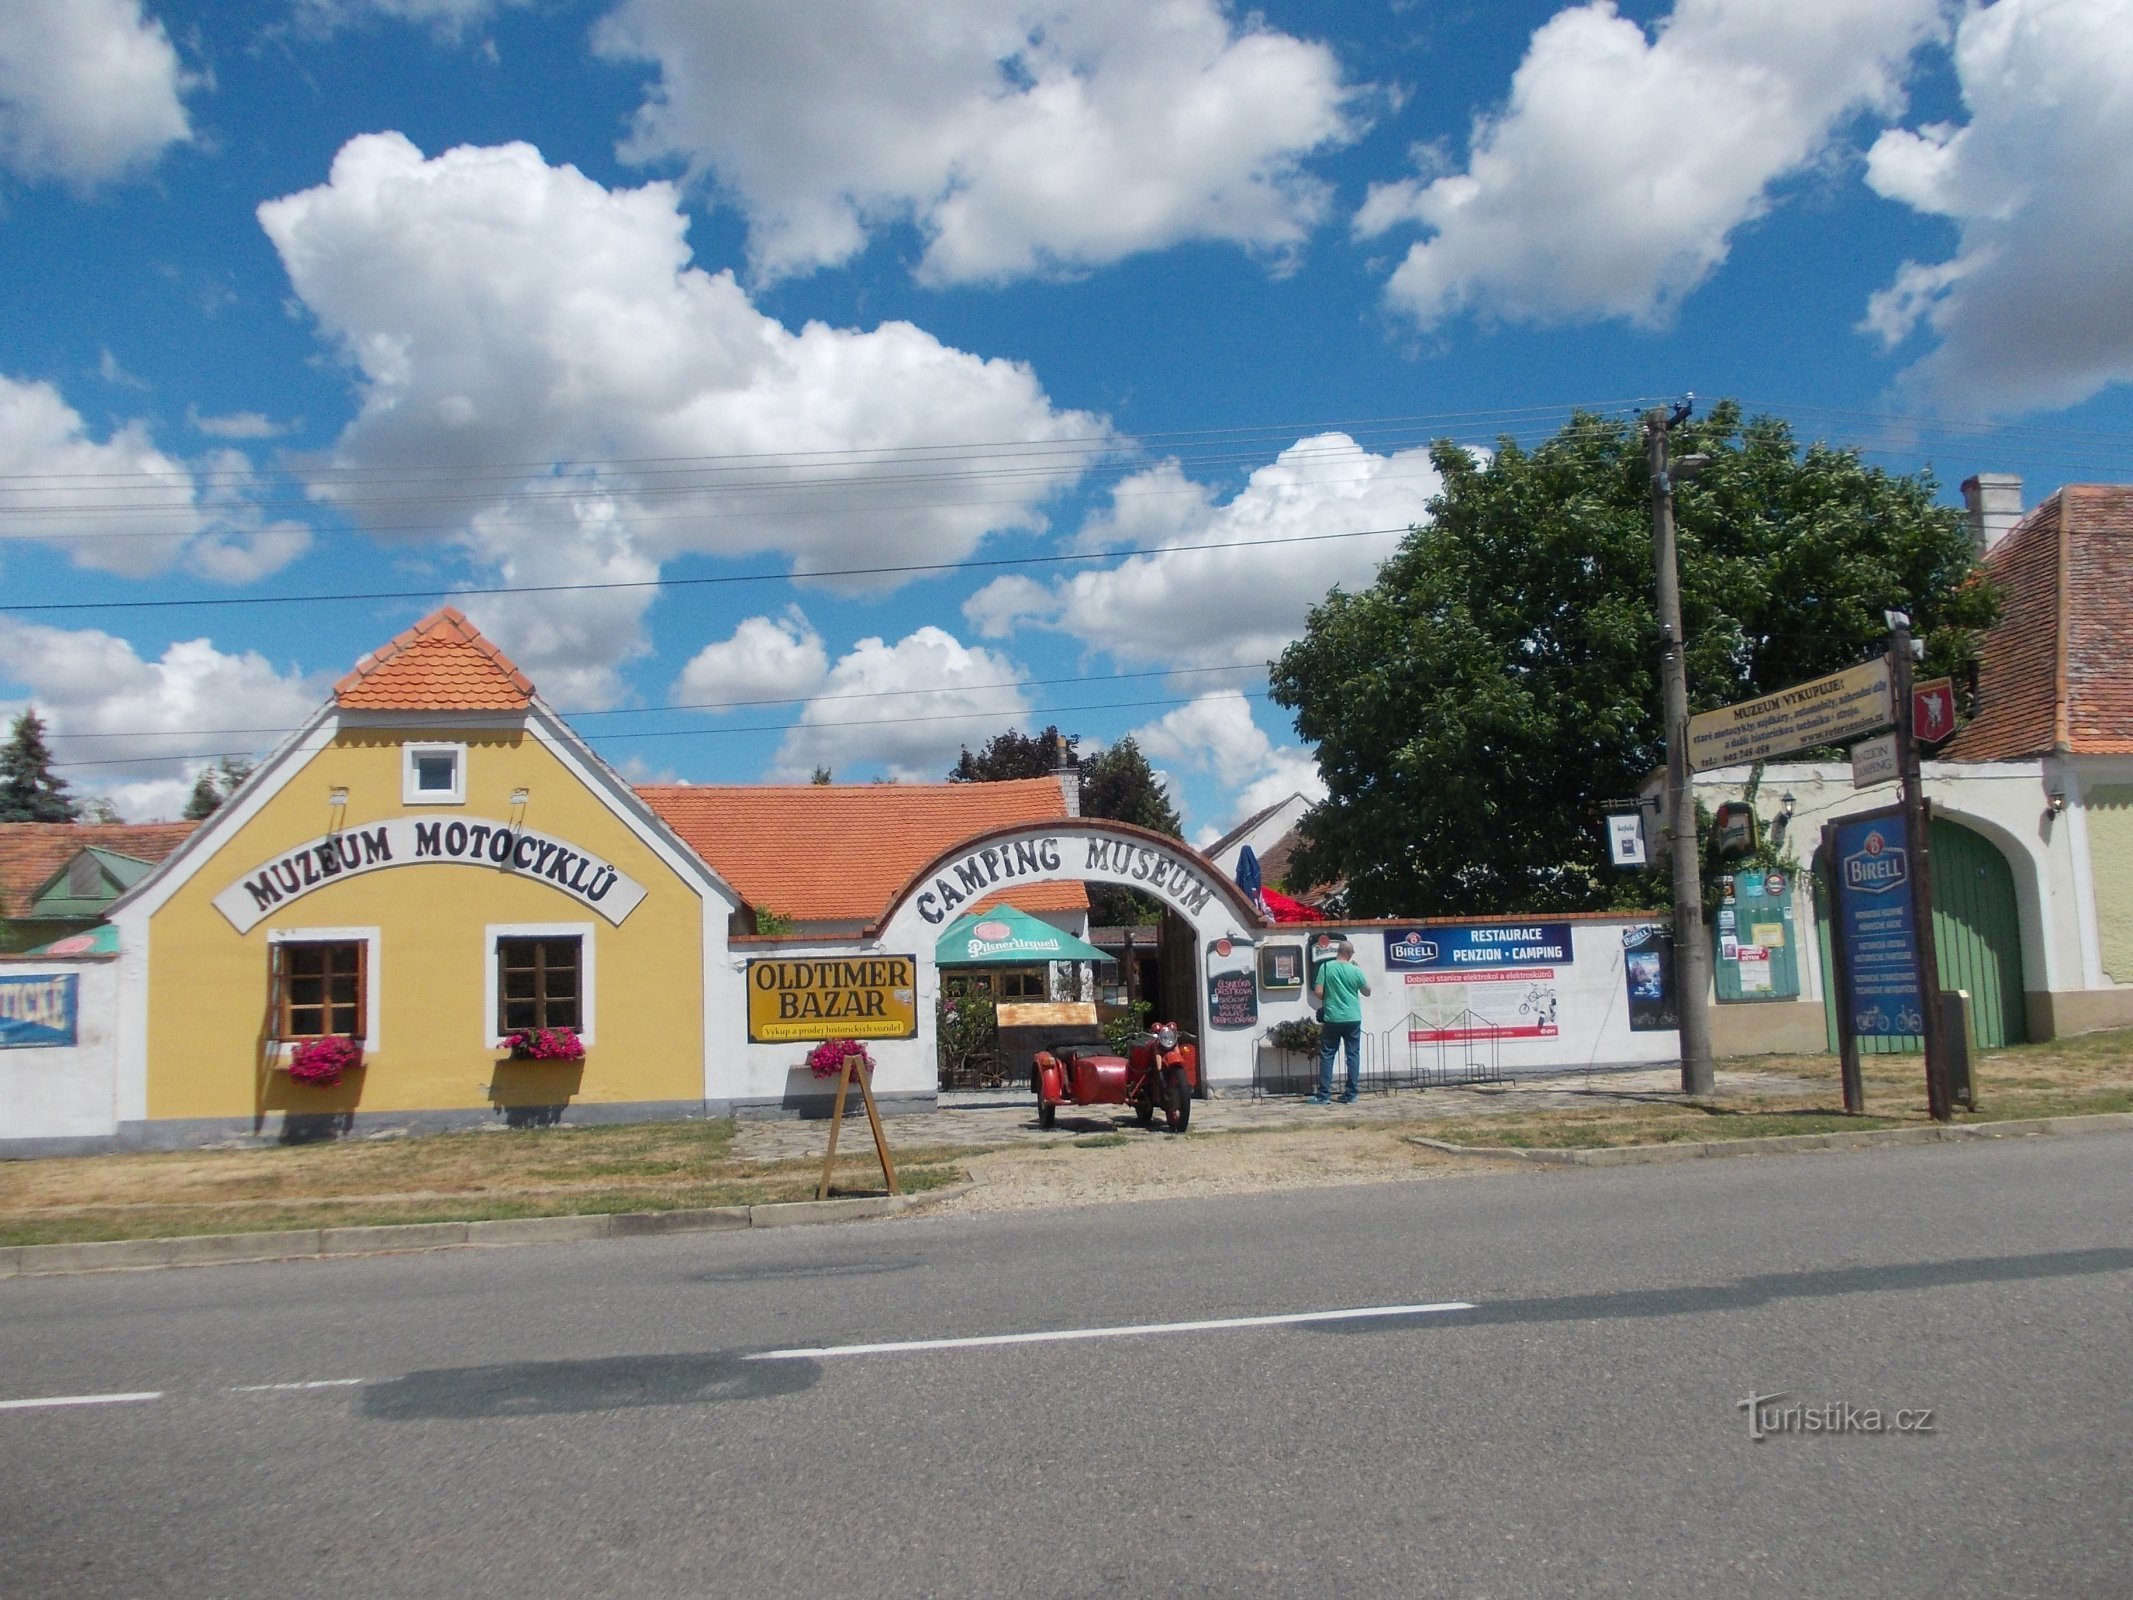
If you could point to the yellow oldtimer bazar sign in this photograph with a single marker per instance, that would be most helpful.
(832, 997)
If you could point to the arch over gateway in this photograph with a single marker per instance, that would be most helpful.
(1080, 850)
(1071, 850)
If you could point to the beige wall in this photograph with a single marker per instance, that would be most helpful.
(2110, 824)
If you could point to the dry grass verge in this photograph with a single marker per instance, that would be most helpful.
(457, 1177)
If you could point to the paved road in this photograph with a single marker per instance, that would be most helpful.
(586, 1419)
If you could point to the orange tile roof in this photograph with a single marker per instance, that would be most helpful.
(840, 852)
(442, 663)
(31, 852)
(2056, 673)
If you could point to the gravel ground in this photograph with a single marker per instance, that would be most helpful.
(1238, 1145)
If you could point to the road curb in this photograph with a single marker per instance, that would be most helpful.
(1863, 1139)
(320, 1244)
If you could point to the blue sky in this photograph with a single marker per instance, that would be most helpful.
(653, 333)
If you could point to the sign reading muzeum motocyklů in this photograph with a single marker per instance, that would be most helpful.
(414, 841)
(1839, 706)
(1108, 860)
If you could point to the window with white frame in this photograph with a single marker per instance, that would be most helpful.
(540, 976)
(323, 983)
(434, 775)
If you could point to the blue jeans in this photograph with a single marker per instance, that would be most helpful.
(1331, 1035)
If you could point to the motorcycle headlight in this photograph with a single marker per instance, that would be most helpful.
(1166, 1038)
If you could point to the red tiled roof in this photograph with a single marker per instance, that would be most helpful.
(840, 852)
(2056, 673)
(442, 663)
(31, 852)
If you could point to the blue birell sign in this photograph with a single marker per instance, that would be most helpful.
(1477, 947)
(37, 1011)
(1874, 921)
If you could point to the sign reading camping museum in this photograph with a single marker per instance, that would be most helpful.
(408, 842)
(1050, 856)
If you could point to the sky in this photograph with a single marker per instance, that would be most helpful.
(838, 384)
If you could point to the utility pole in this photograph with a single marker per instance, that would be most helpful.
(1918, 829)
(1692, 957)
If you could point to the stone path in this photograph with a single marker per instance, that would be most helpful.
(1008, 1118)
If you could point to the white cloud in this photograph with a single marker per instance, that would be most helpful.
(2035, 308)
(768, 658)
(1217, 733)
(122, 505)
(494, 308)
(89, 90)
(237, 425)
(907, 707)
(449, 18)
(85, 682)
(1230, 602)
(1611, 183)
(1019, 136)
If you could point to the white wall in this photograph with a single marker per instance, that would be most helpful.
(65, 1093)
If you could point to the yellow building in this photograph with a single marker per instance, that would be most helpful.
(434, 866)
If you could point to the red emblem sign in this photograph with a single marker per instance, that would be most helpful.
(1933, 710)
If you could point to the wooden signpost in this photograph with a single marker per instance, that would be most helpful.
(854, 1068)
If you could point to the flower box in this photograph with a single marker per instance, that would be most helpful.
(544, 1044)
(322, 1063)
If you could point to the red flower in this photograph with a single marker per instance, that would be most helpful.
(323, 1062)
(826, 1060)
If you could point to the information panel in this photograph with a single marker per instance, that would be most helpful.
(1874, 921)
(1825, 711)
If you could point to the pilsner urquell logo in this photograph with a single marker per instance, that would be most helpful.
(1877, 868)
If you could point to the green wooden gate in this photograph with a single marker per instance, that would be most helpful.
(1977, 935)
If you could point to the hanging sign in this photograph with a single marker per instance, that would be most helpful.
(1933, 710)
(414, 842)
(832, 997)
(38, 1012)
(1825, 711)
(1874, 761)
(1625, 839)
(1462, 948)
(1874, 920)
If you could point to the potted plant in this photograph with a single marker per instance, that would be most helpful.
(545, 1044)
(827, 1059)
(324, 1062)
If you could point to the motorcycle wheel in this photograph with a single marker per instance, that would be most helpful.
(1047, 1114)
(1177, 1099)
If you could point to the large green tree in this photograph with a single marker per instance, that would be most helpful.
(1476, 708)
(29, 790)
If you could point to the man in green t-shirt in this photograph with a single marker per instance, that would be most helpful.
(1339, 989)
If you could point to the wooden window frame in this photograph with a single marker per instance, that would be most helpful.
(285, 1018)
(495, 1006)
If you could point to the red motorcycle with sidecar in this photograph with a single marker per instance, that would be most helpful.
(1159, 1072)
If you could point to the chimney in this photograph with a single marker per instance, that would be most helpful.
(1068, 773)
(1994, 500)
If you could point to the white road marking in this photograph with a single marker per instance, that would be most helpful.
(274, 1388)
(80, 1400)
(1062, 1335)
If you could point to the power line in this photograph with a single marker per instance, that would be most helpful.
(418, 721)
(217, 602)
(995, 714)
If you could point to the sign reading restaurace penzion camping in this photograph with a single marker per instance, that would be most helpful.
(413, 842)
(1042, 857)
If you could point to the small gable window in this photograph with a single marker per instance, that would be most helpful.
(436, 775)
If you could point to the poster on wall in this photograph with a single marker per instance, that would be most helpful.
(38, 1012)
(1479, 980)
(1874, 921)
(1281, 968)
(797, 998)
(1648, 973)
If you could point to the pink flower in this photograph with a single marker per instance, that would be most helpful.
(545, 1044)
(323, 1062)
(826, 1060)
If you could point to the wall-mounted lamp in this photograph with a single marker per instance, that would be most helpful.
(337, 798)
(1783, 820)
(2055, 802)
(520, 796)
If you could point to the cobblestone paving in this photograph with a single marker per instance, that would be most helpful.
(1008, 1117)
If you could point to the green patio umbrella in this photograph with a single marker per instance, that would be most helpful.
(1003, 934)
